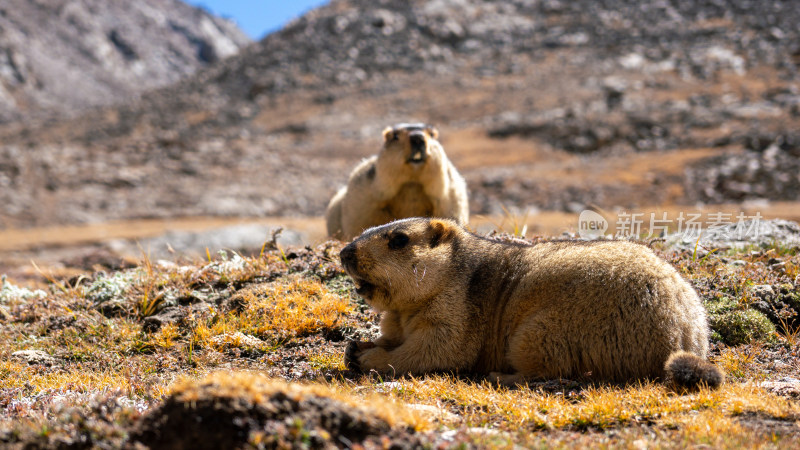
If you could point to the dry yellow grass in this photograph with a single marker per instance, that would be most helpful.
(738, 363)
(325, 360)
(20, 375)
(278, 311)
(300, 307)
(165, 337)
(707, 417)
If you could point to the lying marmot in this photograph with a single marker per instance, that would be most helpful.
(410, 177)
(451, 300)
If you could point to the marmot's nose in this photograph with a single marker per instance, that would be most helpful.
(348, 256)
(417, 142)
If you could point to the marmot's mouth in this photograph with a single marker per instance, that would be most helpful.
(364, 288)
(416, 157)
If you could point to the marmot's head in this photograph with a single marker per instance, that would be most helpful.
(410, 144)
(401, 264)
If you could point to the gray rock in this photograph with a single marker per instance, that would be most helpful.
(763, 291)
(171, 314)
(738, 235)
(238, 340)
(770, 169)
(34, 357)
(787, 387)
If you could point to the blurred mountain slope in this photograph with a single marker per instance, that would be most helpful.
(542, 105)
(59, 56)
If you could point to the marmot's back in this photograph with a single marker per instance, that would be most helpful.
(594, 304)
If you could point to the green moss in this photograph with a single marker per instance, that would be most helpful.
(733, 324)
(722, 305)
(740, 326)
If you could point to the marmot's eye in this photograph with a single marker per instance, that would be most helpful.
(394, 135)
(398, 241)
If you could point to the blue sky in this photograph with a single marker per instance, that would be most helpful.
(258, 17)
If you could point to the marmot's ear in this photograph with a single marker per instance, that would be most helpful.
(387, 134)
(441, 232)
(432, 131)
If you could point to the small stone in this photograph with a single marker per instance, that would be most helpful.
(450, 435)
(763, 291)
(783, 388)
(237, 339)
(34, 357)
(172, 314)
(778, 364)
(778, 266)
(432, 411)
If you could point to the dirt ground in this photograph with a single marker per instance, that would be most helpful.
(248, 351)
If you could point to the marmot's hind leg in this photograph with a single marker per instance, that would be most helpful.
(538, 349)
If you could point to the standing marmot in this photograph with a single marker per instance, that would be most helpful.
(410, 177)
(451, 300)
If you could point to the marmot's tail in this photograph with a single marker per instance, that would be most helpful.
(687, 372)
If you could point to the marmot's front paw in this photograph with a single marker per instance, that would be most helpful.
(353, 351)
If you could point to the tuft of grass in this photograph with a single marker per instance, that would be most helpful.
(512, 222)
(149, 303)
(737, 363)
(741, 327)
(277, 312)
(15, 375)
(295, 308)
(326, 361)
(165, 337)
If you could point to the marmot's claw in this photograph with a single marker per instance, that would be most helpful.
(353, 351)
(351, 356)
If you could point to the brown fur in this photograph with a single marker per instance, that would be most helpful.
(685, 372)
(394, 185)
(602, 310)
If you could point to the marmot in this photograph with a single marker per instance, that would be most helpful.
(410, 177)
(597, 310)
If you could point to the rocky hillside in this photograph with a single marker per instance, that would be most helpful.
(63, 55)
(541, 104)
